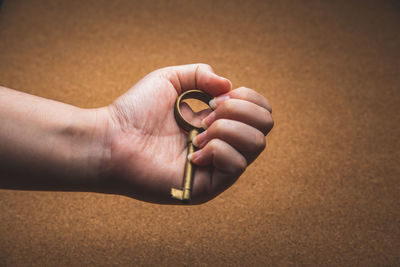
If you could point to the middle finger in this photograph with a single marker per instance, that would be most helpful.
(249, 141)
(243, 111)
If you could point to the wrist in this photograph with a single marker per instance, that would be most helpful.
(92, 139)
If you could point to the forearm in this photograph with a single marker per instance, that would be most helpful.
(46, 144)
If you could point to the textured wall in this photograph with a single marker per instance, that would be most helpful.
(325, 191)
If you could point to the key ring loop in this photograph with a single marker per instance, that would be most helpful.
(194, 94)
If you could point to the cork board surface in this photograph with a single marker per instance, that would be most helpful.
(326, 190)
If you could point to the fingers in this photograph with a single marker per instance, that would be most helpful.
(228, 164)
(241, 118)
(243, 93)
(243, 111)
(222, 156)
(244, 138)
(197, 76)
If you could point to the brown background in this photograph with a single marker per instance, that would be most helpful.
(325, 191)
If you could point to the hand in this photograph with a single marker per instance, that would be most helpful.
(147, 149)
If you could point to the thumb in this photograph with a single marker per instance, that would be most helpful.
(199, 76)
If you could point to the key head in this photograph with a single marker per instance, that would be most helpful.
(194, 94)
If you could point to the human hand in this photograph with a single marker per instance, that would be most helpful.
(147, 149)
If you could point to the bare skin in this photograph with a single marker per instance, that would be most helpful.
(134, 146)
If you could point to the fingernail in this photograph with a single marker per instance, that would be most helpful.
(218, 100)
(230, 83)
(194, 141)
(230, 87)
(193, 156)
(199, 140)
(206, 122)
(203, 124)
(212, 103)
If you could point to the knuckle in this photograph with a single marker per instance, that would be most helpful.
(269, 105)
(204, 66)
(245, 90)
(214, 145)
(242, 91)
(241, 165)
(218, 126)
(227, 107)
(259, 142)
(268, 123)
(245, 93)
(271, 124)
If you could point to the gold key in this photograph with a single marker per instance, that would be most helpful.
(192, 131)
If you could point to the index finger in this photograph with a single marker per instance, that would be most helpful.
(243, 93)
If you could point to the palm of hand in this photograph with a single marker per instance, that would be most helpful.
(149, 151)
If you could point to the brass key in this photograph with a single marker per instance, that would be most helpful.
(192, 131)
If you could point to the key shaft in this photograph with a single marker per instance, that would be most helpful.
(186, 192)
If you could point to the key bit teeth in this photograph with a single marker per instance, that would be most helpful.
(176, 193)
